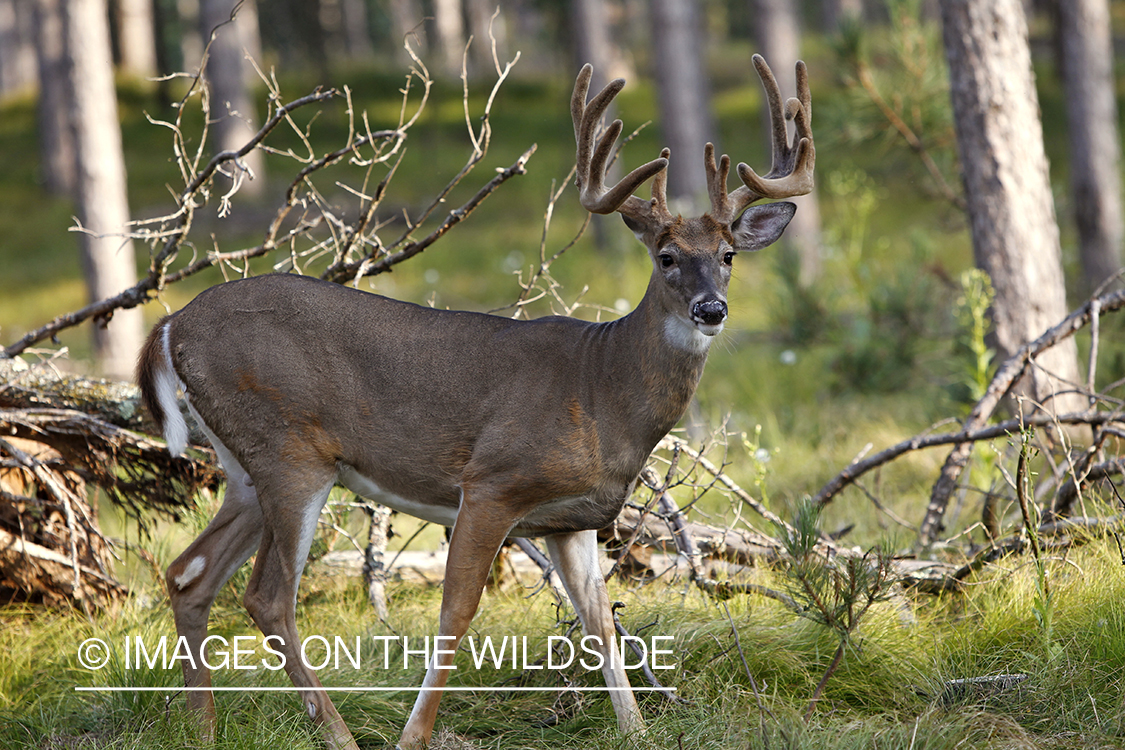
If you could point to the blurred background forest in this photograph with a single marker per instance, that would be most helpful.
(857, 328)
(965, 203)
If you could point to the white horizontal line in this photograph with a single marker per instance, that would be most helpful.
(458, 689)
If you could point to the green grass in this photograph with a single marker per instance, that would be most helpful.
(887, 694)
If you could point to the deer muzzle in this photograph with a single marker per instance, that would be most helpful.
(709, 313)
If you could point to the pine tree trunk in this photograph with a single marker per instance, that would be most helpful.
(407, 28)
(357, 37)
(56, 139)
(101, 201)
(1004, 166)
(17, 53)
(136, 34)
(590, 32)
(234, 117)
(450, 32)
(684, 94)
(484, 29)
(1095, 151)
(779, 41)
(837, 12)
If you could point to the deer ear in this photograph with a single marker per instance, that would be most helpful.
(635, 226)
(761, 226)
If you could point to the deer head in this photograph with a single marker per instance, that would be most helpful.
(692, 257)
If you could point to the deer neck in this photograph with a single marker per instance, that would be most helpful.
(664, 358)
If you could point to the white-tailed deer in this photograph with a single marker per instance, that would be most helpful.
(492, 426)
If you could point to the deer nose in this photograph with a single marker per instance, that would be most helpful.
(710, 312)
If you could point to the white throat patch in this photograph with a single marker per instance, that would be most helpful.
(685, 335)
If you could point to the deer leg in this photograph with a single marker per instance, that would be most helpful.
(290, 522)
(576, 557)
(476, 538)
(196, 576)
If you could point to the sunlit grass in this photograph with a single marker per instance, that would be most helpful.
(890, 690)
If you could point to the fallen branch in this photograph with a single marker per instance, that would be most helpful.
(41, 573)
(136, 473)
(964, 437)
(41, 386)
(1002, 383)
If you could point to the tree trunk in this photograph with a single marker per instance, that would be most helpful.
(779, 41)
(17, 52)
(101, 201)
(484, 28)
(450, 29)
(590, 32)
(136, 37)
(357, 36)
(684, 94)
(56, 139)
(374, 557)
(407, 28)
(1004, 166)
(233, 114)
(191, 41)
(1095, 152)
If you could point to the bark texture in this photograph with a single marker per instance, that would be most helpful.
(101, 201)
(1004, 167)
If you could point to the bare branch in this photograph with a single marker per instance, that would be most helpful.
(963, 437)
(1006, 377)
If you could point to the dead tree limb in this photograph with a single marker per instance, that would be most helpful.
(1006, 377)
(1068, 492)
(41, 386)
(153, 281)
(354, 248)
(964, 437)
(368, 267)
(673, 443)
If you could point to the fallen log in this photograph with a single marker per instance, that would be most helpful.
(43, 387)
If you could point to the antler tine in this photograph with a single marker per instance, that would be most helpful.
(660, 190)
(593, 154)
(717, 184)
(578, 100)
(791, 171)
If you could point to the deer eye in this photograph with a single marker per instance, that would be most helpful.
(728, 258)
(666, 260)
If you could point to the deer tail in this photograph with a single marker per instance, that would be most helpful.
(160, 387)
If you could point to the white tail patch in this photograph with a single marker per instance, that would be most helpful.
(193, 570)
(168, 386)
